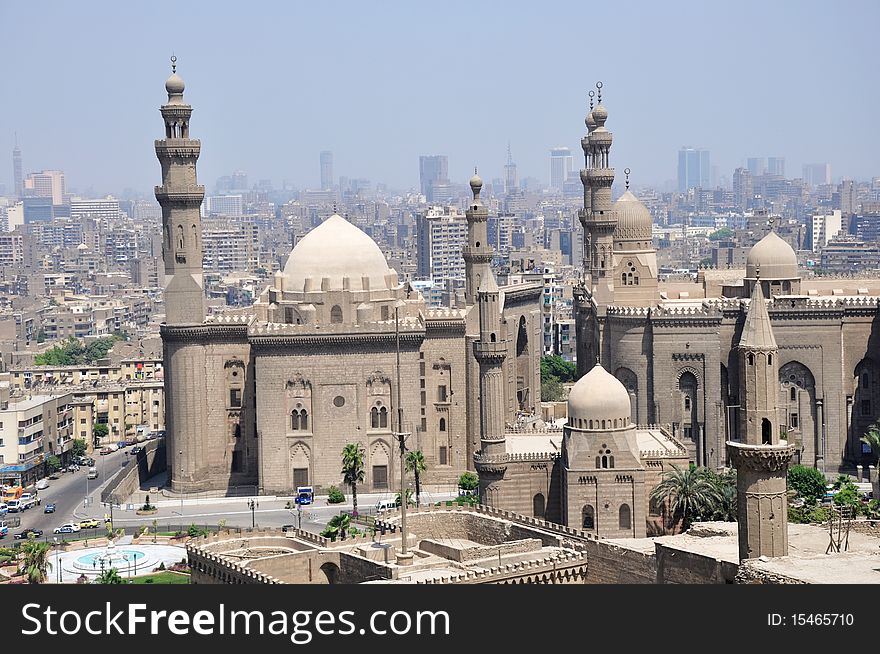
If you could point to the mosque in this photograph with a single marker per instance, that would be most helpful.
(270, 398)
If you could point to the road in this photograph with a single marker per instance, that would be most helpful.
(68, 493)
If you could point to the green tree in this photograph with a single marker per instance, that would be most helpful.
(415, 463)
(689, 494)
(335, 496)
(110, 576)
(872, 438)
(468, 482)
(338, 526)
(847, 494)
(725, 484)
(79, 447)
(353, 470)
(551, 390)
(53, 463)
(807, 482)
(409, 498)
(100, 430)
(35, 560)
(721, 234)
(555, 366)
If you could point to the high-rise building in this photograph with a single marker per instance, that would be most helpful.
(757, 166)
(847, 193)
(825, 228)
(16, 169)
(326, 170)
(441, 234)
(224, 205)
(511, 180)
(693, 169)
(742, 188)
(560, 167)
(101, 211)
(433, 171)
(46, 184)
(776, 166)
(817, 174)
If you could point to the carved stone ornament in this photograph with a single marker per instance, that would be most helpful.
(760, 457)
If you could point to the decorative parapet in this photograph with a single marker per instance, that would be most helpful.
(388, 521)
(513, 458)
(556, 568)
(614, 310)
(760, 457)
(223, 569)
(205, 332)
(516, 429)
(230, 319)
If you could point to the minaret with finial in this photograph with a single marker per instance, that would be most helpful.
(584, 213)
(477, 254)
(180, 197)
(760, 455)
(600, 222)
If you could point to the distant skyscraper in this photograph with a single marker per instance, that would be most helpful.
(742, 188)
(776, 166)
(816, 174)
(757, 166)
(16, 169)
(326, 170)
(433, 171)
(847, 192)
(511, 181)
(560, 167)
(693, 169)
(46, 184)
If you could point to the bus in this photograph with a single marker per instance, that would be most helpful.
(304, 495)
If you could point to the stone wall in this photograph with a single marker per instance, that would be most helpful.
(612, 564)
(472, 553)
(676, 566)
(127, 481)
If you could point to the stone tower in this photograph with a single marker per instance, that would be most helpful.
(477, 254)
(180, 197)
(600, 222)
(490, 350)
(587, 338)
(760, 456)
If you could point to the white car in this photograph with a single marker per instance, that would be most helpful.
(43, 484)
(68, 528)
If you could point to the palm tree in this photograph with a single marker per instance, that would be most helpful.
(36, 561)
(338, 525)
(872, 438)
(110, 576)
(415, 463)
(688, 493)
(353, 470)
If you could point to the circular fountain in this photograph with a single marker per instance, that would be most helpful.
(129, 560)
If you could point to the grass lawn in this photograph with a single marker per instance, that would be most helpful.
(162, 578)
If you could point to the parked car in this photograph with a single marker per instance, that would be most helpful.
(27, 533)
(3, 508)
(14, 506)
(43, 484)
(121, 444)
(91, 523)
(4, 529)
(93, 473)
(108, 450)
(54, 476)
(136, 450)
(67, 528)
(49, 508)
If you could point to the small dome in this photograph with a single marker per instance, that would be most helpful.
(590, 122)
(775, 258)
(336, 249)
(634, 222)
(174, 85)
(476, 184)
(600, 115)
(599, 396)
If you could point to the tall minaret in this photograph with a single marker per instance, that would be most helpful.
(490, 351)
(180, 197)
(477, 254)
(584, 214)
(760, 456)
(600, 223)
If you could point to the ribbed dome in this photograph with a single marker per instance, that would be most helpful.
(599, 396)
(775, 258)
(174, 85)
(634, 221)
(336, 249)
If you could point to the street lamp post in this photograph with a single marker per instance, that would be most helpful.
(57, 559)
(252, 505)
(405, 557)
(299, 516)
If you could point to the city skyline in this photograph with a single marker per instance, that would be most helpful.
(377, 126)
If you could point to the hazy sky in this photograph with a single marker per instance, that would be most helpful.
(379, 83)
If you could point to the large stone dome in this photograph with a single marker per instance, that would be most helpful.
(634, 222)
(598, 397)
(775, 258)
(337, 251)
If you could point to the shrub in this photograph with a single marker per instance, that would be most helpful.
(161, 566)
(808, 514)
(807, 482)
(195, 532)
(468, 481)
(335, 496)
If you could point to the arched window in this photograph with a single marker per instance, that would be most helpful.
(299, 420)
(598, 462)
(538, 505)
(336, 314)
(442, 424)
(591, 424)
(769, 359)
(766, 432)
(604, 461)
(603, 424)
(383, 418)
(589, 517)
(611, 461)
(751, 359)
(793, 393)
(615, 423)
(374, 418)
(687, 402)
(623, 279)
(625, 517)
